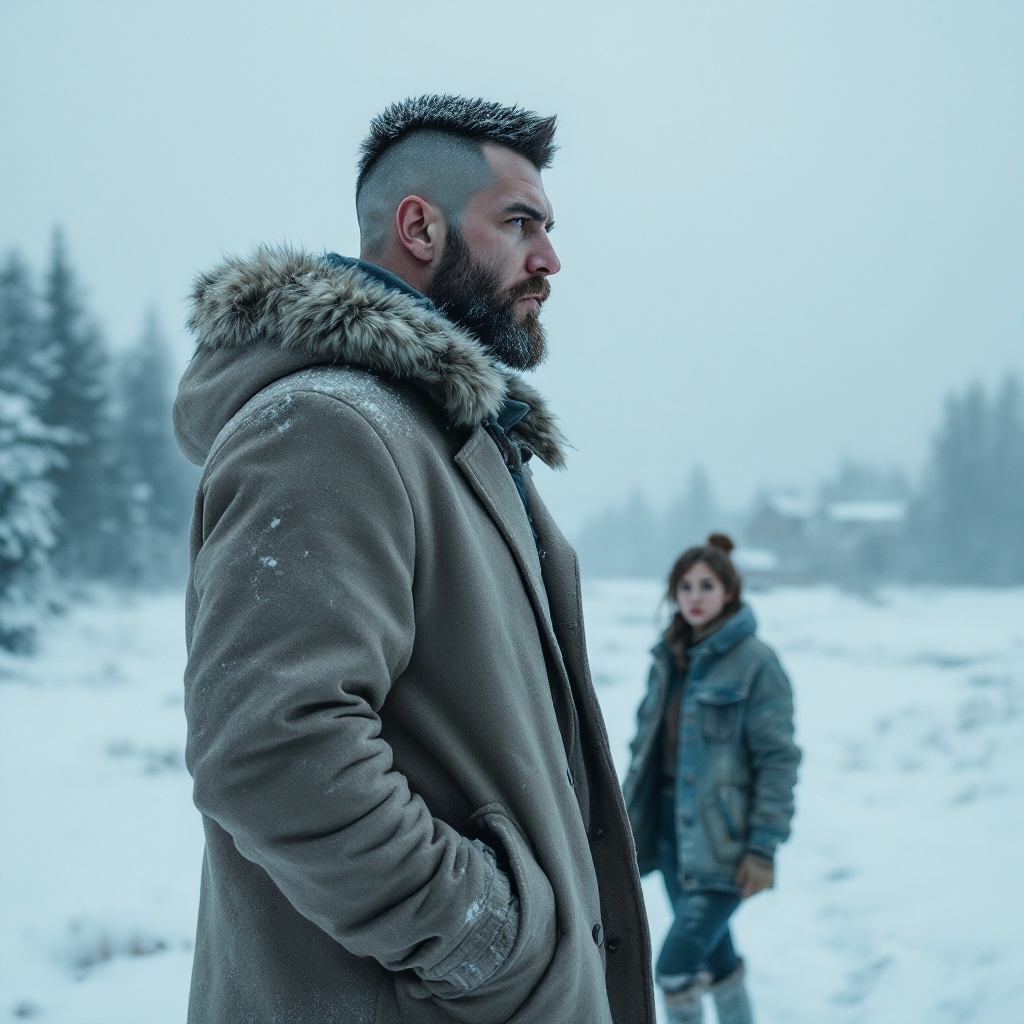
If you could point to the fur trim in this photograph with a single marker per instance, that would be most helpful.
(284, 297)
(539, 428)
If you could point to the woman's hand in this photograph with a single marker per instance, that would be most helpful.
(754, 874)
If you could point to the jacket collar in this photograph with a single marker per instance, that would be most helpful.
(737, 627)
(336, 311)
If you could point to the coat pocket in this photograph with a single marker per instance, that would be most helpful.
(734, 802)
(723, 816)
(718, 712)
(503, 994)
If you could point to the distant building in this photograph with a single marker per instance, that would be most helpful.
(860, 541)
(759, 567)
(780, 527)
(870, 515)
(852, 542)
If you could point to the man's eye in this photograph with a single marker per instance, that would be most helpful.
(519, 221)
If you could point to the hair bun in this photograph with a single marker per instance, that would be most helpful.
(722, 542)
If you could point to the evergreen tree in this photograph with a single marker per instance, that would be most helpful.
(1006, 470)
(29, 454)
(79, 402)
(959, 479)
(691, 517)
(623, 541)
(156, 481)
(633, 540)
(968, 524)
(27, 363)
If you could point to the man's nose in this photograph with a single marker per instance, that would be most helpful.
(542, 261)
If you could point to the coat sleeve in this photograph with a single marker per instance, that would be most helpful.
(303, 590)
(647, 722)
(774, 757)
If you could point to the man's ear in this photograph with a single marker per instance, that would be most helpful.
(421, 228)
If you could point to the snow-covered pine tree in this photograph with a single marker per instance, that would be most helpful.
(157, 482)
(27, 364)
(79, 401)
(30, 452)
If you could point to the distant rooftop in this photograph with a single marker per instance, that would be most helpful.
(755, 560)
(791, 506)
(867, 511)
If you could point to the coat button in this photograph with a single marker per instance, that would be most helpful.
(613, 944)
(688, 779)
(598, 934)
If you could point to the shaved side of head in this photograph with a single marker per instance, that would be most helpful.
(431, 147)
(444, 169)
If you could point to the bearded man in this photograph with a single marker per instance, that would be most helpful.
(410, 808)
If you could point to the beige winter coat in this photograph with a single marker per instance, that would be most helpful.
(386, 682)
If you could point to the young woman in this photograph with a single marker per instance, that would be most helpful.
(710, 786)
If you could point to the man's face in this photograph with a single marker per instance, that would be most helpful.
(492, 276)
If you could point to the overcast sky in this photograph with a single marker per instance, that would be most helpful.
(786, 230)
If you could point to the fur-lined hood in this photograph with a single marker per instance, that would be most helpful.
(258, 319)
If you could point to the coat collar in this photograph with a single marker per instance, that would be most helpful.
(736, 628)
(327, 311)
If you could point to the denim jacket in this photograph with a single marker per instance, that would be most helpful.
(737, 760)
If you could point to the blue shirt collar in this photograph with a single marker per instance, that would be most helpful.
(385, 277)
(510, 414)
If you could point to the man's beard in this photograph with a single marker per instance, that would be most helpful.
(467, 293)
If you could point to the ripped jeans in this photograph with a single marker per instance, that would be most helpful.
(699, 938)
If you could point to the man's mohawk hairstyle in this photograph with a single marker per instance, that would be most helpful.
(522, 131)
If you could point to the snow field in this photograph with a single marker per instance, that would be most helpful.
(899, 897)
(100, 850)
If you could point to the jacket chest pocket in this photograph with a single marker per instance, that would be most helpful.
(718, 713)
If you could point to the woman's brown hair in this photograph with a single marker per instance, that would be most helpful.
(715, 555)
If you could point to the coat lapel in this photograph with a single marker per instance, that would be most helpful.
(484, 468)
(482, 465)
(561, 581)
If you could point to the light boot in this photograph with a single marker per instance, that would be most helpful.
(731, 1000)
(683, 1006)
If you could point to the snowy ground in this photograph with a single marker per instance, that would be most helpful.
(900, 897)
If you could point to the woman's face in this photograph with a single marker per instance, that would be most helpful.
(701, 596)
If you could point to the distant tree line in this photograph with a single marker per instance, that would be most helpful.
(963, 523)
(92, 485)
(632, 539)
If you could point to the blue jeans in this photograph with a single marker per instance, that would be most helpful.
(699, 938)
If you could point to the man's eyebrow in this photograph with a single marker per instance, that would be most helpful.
(532, 212)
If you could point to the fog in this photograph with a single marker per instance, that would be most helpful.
(786, 230)
(790, 307)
